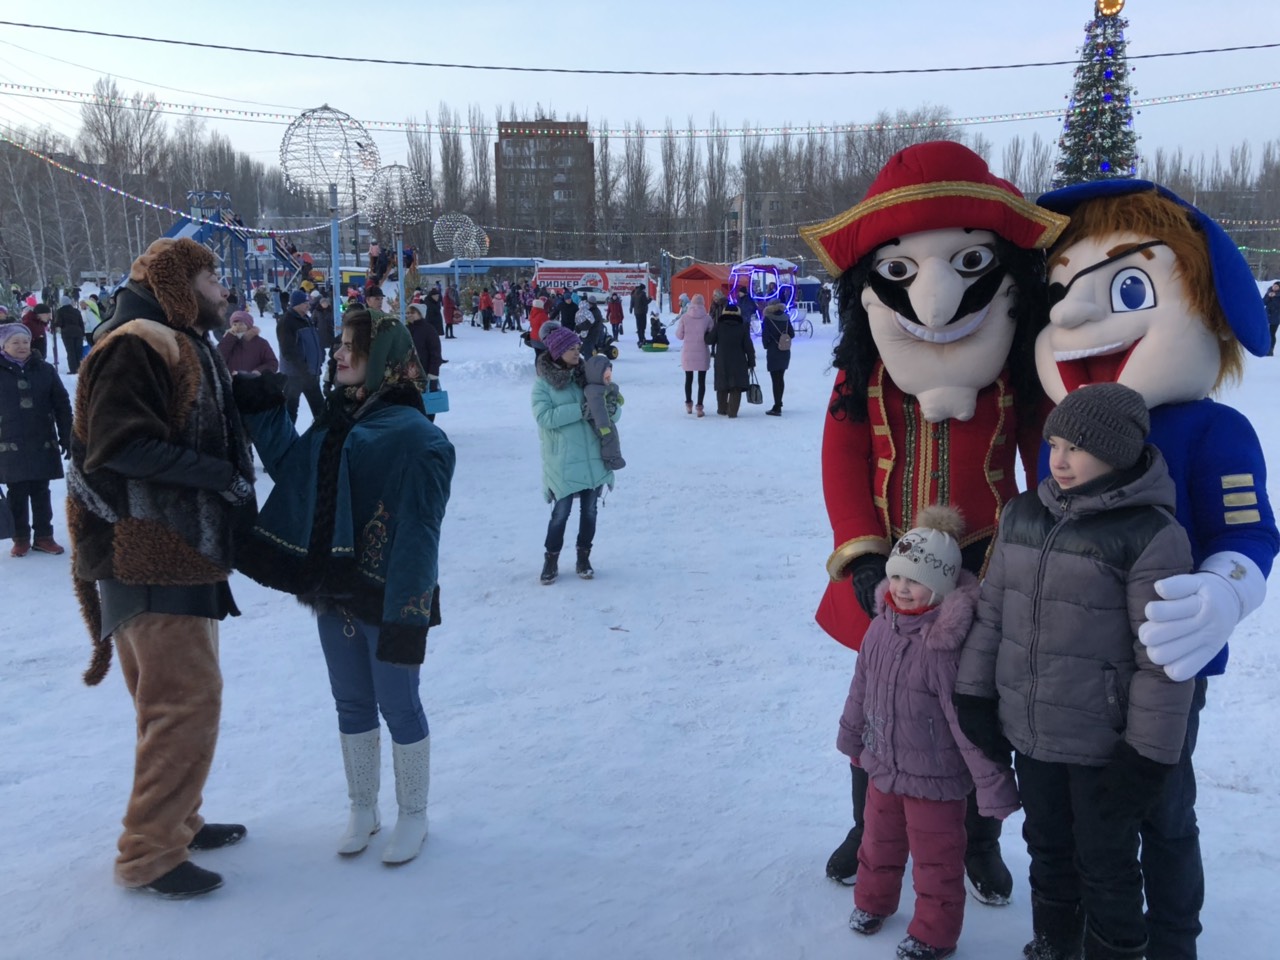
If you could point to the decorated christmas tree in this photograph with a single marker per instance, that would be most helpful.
(1098, 141)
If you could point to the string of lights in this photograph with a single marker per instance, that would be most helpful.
(305, 55)
(249, 231)
(533, 129)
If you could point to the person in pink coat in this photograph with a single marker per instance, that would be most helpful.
(695, 355)
(900, 726)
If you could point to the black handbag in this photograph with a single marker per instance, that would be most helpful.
(754, 393)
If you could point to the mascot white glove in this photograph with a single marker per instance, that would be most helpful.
(1193, 620)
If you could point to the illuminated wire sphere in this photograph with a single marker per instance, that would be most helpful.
(325, 146)
(447, 228)
(398, 196)
(471, 243)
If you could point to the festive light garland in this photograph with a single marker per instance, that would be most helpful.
(77, 96)
(249, 232)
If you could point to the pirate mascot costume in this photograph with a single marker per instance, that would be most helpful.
(941, 288)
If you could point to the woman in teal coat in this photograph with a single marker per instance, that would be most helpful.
(352, 529)
(571, 462)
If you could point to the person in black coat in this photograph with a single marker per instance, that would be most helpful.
(773, 327)
(640, 310)
(35, 431)
(69, 323)
(1271, 300)
(426, 341)
(435, 313)
(735, 356)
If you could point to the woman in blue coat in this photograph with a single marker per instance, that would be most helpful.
(572, 466)
(352, 529)
(35, 425)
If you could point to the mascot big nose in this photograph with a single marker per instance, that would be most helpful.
(936, 293)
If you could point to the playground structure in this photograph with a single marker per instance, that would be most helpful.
(769, 280)
(240, 250)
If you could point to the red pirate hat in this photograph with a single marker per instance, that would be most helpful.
(931, 186)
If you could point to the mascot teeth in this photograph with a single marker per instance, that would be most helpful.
(947, 334)
(1062, 356)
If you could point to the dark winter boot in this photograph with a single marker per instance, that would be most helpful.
(913, 949)
(1095, 948)
(774, 411)
(550, 567)
(842, 866)
(860, 921)
(20, 548)
(584, 563)
(1059, 930)
(213, 836)
(985, 874)
(735, 403)
(183, 881)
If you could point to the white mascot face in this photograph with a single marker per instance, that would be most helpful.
(939, 303)
(1120, 314)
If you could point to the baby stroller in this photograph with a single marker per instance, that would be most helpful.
(657, 341)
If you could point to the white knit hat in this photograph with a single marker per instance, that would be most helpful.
(929, 553)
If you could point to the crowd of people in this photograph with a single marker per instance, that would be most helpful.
(1045, 650)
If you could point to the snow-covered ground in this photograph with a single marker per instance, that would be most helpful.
(642, 765)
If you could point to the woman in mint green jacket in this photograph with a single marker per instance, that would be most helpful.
(571, 462)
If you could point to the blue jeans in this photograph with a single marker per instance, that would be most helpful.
(1171, 865)
(586, 520)
(362, 684)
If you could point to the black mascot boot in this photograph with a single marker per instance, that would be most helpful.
(1059, 930)
(985, 874)
(1095, 948)
(550, 567)
(842, 866)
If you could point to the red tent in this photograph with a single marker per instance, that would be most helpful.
(703, 278)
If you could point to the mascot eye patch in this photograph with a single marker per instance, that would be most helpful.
(1057, 292)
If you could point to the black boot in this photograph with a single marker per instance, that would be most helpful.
(550, 567)
(986, 876)
(584, 563)
(183, 881)
(1095, 948)
(213, 836)
(774, 411)
(842, 866)
(1059, 930)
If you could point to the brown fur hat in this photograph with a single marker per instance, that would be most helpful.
(167, 269)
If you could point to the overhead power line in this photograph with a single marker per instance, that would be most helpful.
(537, 128)
(303, 55)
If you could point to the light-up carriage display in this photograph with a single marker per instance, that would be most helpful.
(767, 279)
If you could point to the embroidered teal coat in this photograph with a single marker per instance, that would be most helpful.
(393, 483)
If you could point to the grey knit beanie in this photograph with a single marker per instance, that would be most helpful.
(1107, 420)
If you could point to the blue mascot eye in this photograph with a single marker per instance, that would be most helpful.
(1132, 289)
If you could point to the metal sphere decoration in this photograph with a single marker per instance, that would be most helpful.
(398, 196)
(447, 228)
(325, 146)
(471, 244)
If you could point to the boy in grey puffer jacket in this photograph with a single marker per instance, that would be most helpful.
(602, 399)
(1053, 666)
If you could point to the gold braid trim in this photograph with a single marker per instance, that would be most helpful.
(851, 549)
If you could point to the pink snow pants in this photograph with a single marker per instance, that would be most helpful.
(932, 832)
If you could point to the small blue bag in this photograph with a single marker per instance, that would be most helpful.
(436, 401)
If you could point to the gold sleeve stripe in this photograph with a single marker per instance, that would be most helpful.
(1231, 481)
(1239, 499)
(1234, 517)
(850, 549)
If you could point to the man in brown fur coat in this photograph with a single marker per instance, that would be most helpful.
(160, 471)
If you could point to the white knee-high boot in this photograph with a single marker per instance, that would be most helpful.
(413, 778)
(362, 759)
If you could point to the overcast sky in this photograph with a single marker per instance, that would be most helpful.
(659, 34)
